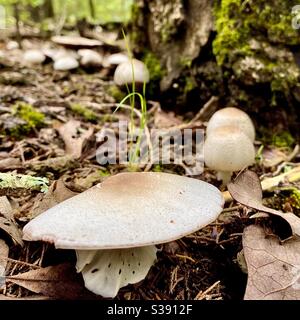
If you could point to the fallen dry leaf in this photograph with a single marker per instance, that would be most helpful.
(7, 222)
(163, 120)
(61, 282)
(4, 250)
(74, 137)
(10, 164)
(273, 268)
(270, 183)
(57, 193)
(246, 189)
(273, 156)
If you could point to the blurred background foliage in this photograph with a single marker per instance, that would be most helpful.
(50, 12)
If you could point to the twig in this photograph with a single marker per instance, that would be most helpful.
(201, 295)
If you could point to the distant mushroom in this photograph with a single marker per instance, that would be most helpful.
(115, 225)
(115, 59)
(76, 41)
(90, 58)
(66, 63)
(232, 117)
(34, 57)
(131, 71)
(12, 45)
(228, 149)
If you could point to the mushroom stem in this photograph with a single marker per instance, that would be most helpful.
(106, 271)
(225, 176)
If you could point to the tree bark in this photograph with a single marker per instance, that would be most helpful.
(48, 9)
(17, 24)
(176, 31)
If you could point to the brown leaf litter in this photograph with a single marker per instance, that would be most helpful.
(273, 268)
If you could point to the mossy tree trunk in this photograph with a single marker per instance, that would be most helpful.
(176, 31)
(245, 52)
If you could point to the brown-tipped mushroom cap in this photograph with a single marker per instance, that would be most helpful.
(123, 73)
(228, 149)
(232, 117)
(129, 210)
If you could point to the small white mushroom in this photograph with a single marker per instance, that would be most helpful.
(66, 63)
(90, 58)
(115, 225)
(115, 59)
(12, 45)
(34, 56)
(131, 71)
(228, 149)
(232, 117)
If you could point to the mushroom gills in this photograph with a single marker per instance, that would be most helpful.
(106, 271)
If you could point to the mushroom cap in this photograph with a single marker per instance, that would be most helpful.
(90, 57)
(66, 63)
(34, 56)
(231, 117)
(228, 149)
(116, 58)
(129, 210)
(76, 41)
(123, 73)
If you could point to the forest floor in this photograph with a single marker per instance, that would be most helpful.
(201, 266)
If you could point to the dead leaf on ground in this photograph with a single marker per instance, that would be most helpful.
(7, 222)
(4, 250)
(164, 120)
(74, 137)
(273, 156)
(273, 268)
(57, 193)
(10, 164)
(61, 282)
(246, 189)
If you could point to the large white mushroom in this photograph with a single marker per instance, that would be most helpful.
(228, 149)
(232, 117)
(131, 71)
(115, 225)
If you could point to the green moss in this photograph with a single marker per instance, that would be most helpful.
(153, 65)
(185, 62)
(19, 181)
(231, 33)
(166, 31)
(104, 173)
(238, 21)
(83, 111)
(292, 195)
(32, 119)
(283, 140)
(116, 93)
(157, 168)
(190, 84)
